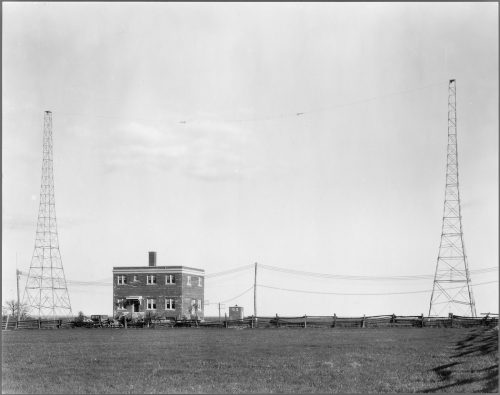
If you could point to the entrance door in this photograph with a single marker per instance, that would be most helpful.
(133, 305)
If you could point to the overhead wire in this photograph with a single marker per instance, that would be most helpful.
(283, 270)
(68, 281)
(380, 97)
(107, 283)
(289, 114)
(237, 296)
(365, 294)
(360, 277)
(229, 271)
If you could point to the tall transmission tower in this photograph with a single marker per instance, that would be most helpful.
(452, 290)
(46, 293)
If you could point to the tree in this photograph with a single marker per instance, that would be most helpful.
(80, 317)
(11, 307)
(79, 320)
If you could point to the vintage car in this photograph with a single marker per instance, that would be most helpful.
(100, 321)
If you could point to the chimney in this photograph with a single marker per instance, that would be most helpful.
(152, 258)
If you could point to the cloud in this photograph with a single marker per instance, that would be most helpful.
(206, 150)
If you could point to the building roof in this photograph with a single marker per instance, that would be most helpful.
(159, 269)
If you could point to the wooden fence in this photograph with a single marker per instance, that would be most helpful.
(334, 321)
(380, 321)
(35, 324)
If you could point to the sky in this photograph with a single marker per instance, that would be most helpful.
(301, 136)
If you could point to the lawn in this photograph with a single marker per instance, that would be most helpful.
(195, 360)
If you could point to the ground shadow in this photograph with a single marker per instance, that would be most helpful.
(481, 342)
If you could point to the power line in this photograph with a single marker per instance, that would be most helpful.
(403, 92)
(74, 282)
(235, 297)
(283, 270)
(107, 283)
(227, 278)
(357, 277)
(363, 294)
(288, 114)
(229, 271)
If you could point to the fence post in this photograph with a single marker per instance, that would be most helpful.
(225, 320)
(305, 321)
(39, 322)
(363, 322)
(334, 320)
(277, 321)
(422, 320)
(450, 316)
(125, 321)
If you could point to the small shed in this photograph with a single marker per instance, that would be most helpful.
(236, 313)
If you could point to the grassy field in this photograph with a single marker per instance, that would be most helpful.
(195, 360)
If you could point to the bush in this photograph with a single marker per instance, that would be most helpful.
(79, 319)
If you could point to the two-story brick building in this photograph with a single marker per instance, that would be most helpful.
(169, 291)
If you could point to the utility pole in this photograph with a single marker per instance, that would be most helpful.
(18, 273)
(255, 292)
(220, 305)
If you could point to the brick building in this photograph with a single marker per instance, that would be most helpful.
(168, 291)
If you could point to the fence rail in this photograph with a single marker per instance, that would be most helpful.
(35, 324)
(355, 322)
(276, 321)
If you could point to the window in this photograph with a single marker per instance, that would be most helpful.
(151, 304)
(169, 304)
(169, 279)
(199, 304)
(151, 279)
(122, 280)
(189, 280)
(199, 282)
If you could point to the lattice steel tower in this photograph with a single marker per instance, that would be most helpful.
(452, 291)
(46, 293)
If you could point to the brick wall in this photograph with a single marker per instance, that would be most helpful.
(192, 292)
(180, 291)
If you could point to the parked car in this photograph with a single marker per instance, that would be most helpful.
(82, 322)
(100, 321)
